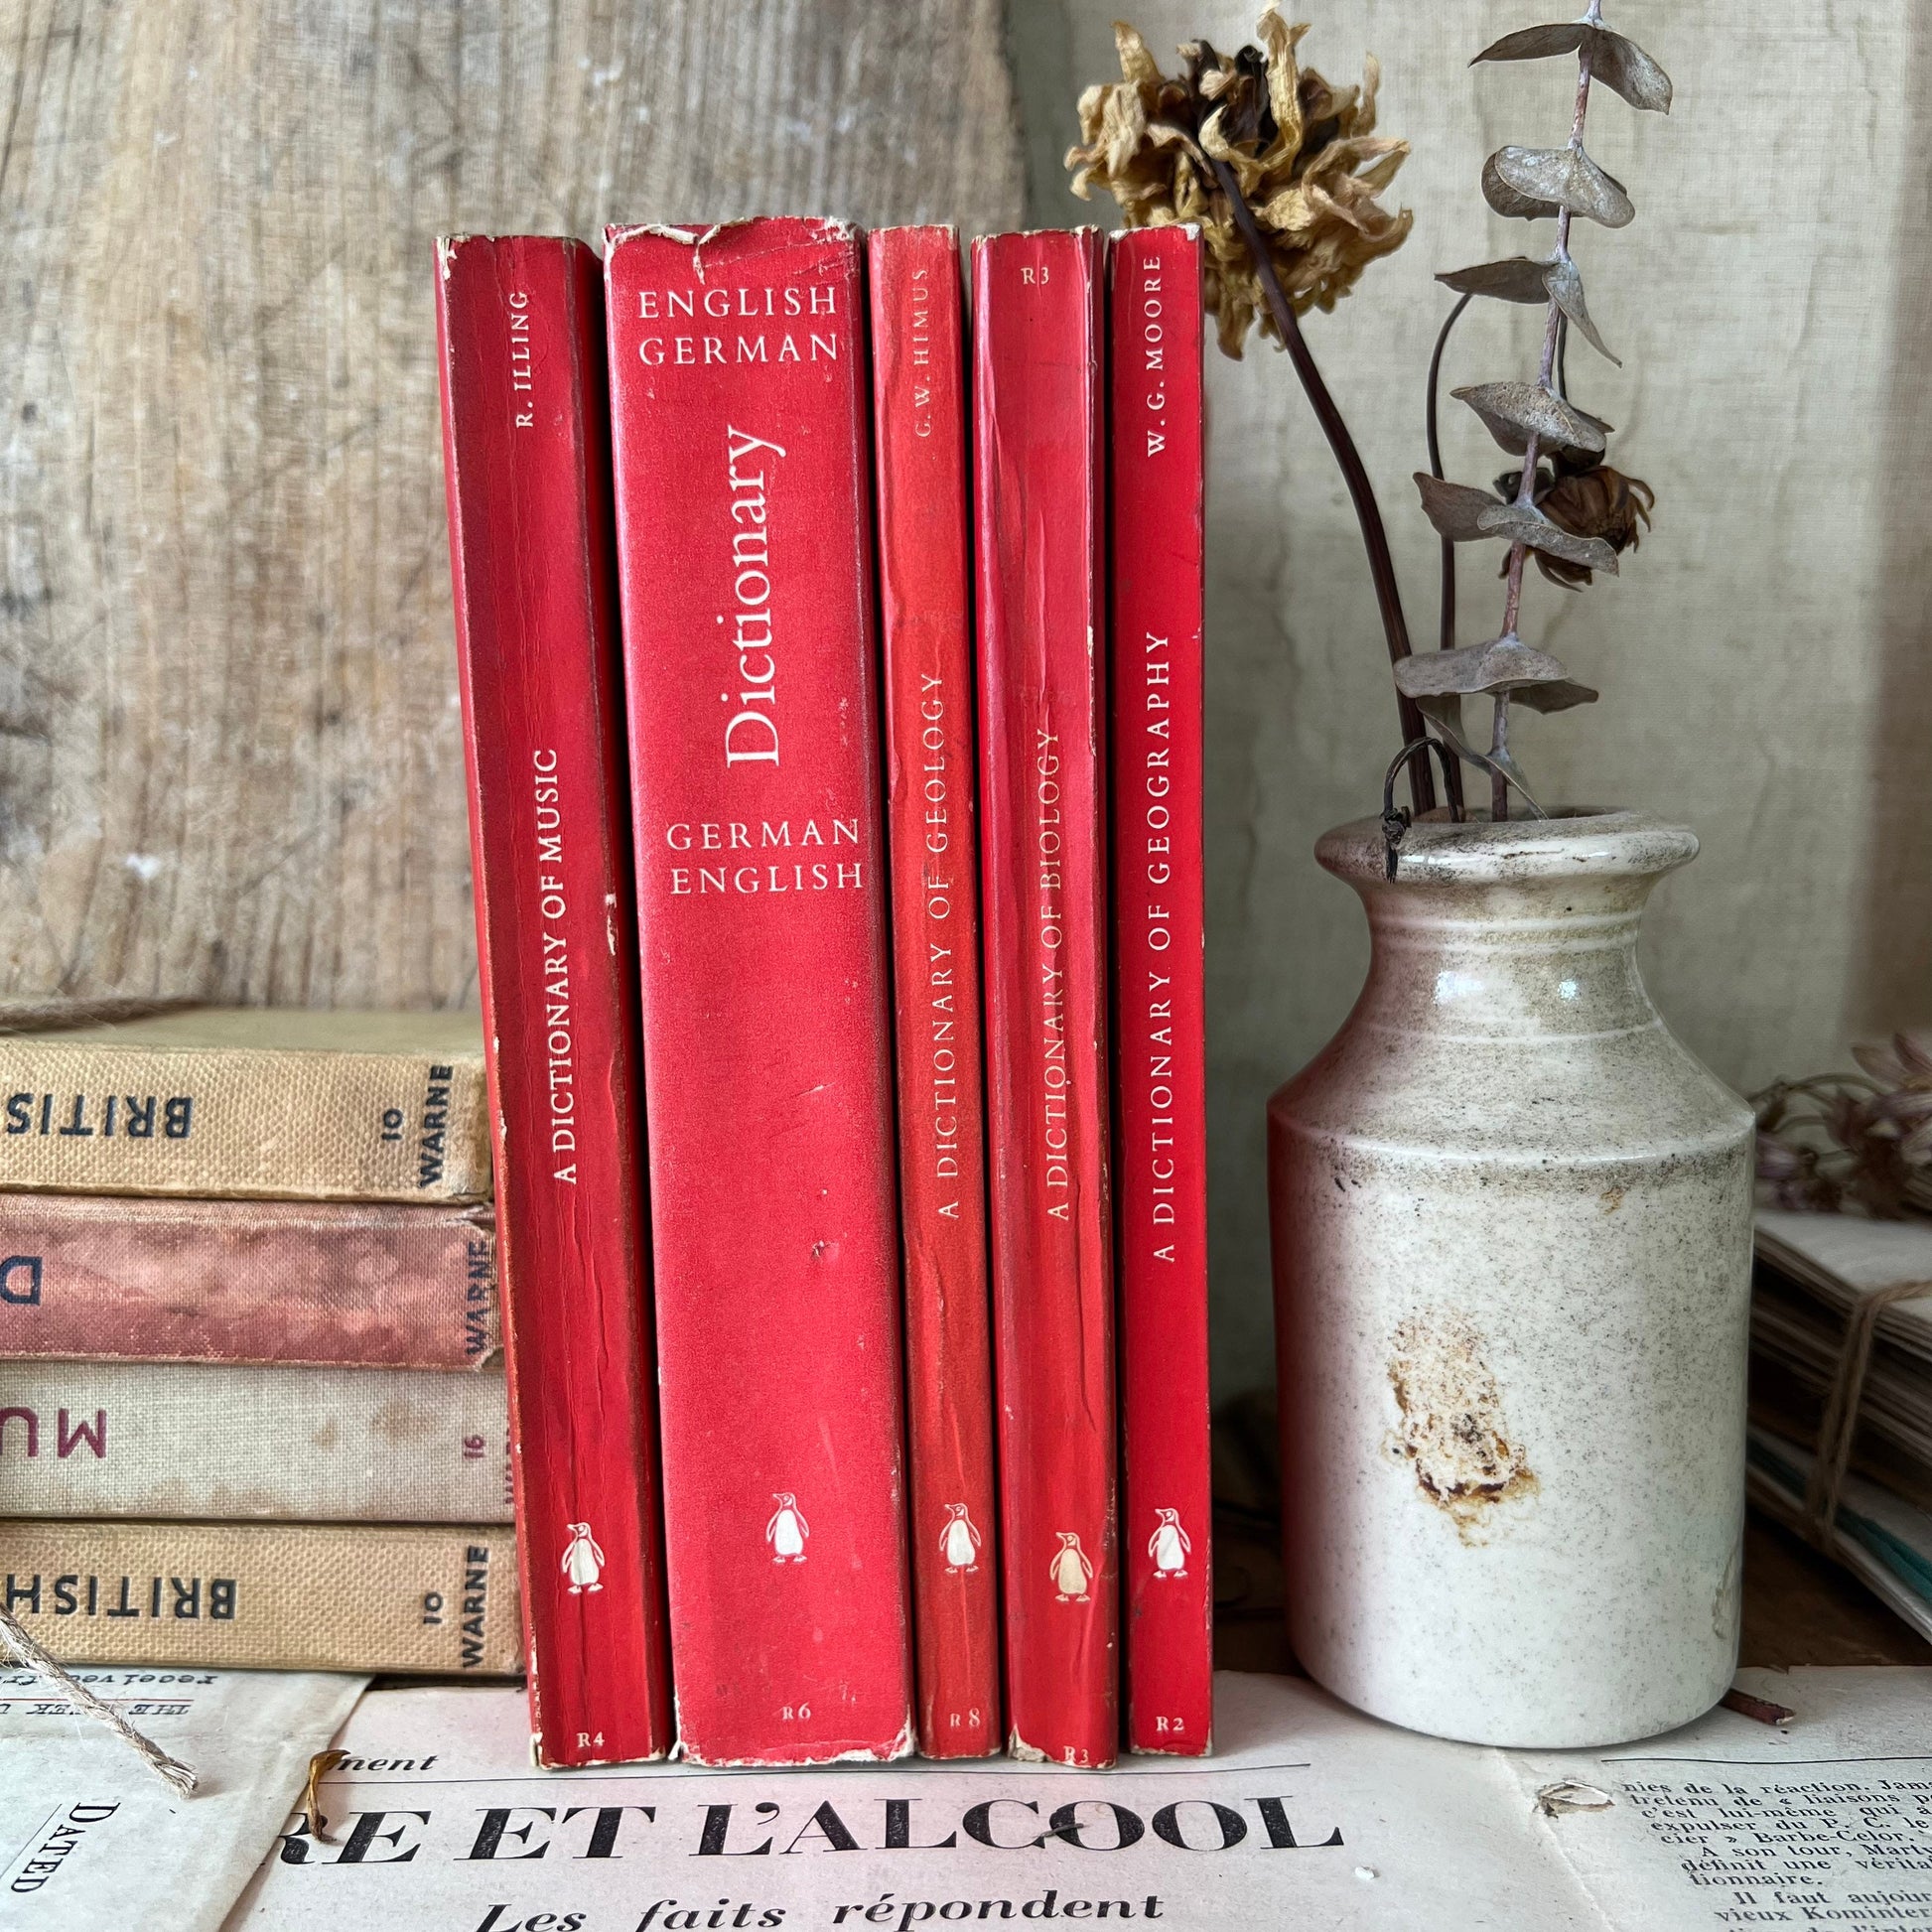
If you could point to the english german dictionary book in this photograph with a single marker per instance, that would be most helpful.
(739, 408)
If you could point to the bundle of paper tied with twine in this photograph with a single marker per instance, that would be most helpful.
(1838, 1427)
(1283, 172)
(1856, 1143)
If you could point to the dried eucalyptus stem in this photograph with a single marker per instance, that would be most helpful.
(1564, 504)
(1532, 450)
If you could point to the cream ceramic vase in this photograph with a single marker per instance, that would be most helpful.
(1511, 1224)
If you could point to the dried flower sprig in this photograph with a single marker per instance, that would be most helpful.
(1562, 503)
(1852, 1139)
(1304, 154)
(1281, 172)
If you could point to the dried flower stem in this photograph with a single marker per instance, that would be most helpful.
(1375, 539)
(1532, 450)
(1446, 620)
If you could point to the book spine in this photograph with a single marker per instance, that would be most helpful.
(739, 420)
(1159, 1010)
(96, 1117)
(139, 1439)
(266, 1595)
(1037, 360)
(190, 1281)
(532, 555)
(925, 575)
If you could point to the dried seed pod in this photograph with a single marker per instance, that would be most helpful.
(1467, 515)
(1529, 184)
(1588, 498)
(1621, 64)
(1513, 412)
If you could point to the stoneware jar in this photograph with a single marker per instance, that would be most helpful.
(1511, 1223)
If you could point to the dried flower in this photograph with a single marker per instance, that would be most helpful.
(1862, 1138)
(1305, 153)
(1589, 501)
(1793, 1177)
(1903, 1109)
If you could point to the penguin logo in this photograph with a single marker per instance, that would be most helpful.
(788, 1530)
(1071, 1570)
(959, 1541)
(1168, 1545)
(583, 1559)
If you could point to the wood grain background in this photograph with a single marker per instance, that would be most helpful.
(230, 757)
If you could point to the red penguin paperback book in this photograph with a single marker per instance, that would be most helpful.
(739, 407)
(1159, 1027)
(520, 325)
(1036, 412)
(924, 575)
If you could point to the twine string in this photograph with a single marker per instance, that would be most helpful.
(176, 1775)
(1833, 1451)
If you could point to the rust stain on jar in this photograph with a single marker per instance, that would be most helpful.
(1453, 1433)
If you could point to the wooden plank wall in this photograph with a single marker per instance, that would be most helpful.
(230, 766)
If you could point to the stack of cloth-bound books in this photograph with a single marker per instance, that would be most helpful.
(253, 1408)
(1841, 1438)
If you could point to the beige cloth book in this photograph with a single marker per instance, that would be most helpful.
(268, 1595)
(211, 1440)
(250, 1102)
